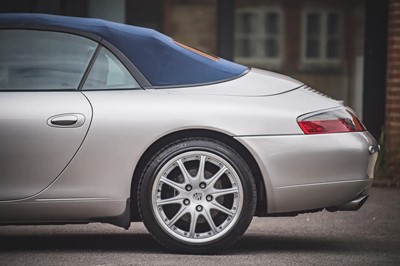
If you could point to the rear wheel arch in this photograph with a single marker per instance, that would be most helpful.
(261, 207)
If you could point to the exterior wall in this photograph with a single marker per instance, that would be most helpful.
(147, 13)
(392, 123)
(77, 8)
(192, 22)
(113, 10)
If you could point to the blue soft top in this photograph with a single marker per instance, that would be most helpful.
(157, 56)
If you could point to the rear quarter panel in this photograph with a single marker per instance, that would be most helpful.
(126, 123)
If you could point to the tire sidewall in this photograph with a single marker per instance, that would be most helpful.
(149, 176)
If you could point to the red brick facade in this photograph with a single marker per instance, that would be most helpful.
(192, 22)
(392, 123)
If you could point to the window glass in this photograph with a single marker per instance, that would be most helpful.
(333, 24)
(109, 73)
(246, 27)
(272, 48)
(246, 23)
(313, 48)
(313, 24)
(272, 23)
(272, 26)
(313, 35)
(332, 49)
(42, 60)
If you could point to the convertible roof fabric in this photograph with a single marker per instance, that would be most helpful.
(161, 60)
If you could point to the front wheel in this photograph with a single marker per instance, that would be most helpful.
(197, 196)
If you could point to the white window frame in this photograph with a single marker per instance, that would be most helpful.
(260, 35)
(322, 60)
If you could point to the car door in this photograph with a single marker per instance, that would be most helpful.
(43, 117)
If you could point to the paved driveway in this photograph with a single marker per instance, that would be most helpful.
(370, 236)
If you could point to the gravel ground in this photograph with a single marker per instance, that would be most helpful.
(370, 236)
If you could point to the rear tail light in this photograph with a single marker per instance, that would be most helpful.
(334, 121)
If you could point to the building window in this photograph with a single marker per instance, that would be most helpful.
(321, 36)
(258, 36)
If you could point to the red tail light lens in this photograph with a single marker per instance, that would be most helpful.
(335, 121)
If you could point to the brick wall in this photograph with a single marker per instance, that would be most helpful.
(392, 123)
(192, 22)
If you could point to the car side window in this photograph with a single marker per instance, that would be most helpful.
(43, 60)
(109, 73)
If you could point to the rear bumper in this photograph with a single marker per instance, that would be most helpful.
(304, 172)
(353, 205)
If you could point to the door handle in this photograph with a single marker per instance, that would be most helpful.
(66, 120)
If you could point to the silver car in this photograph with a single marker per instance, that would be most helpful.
(105, 122)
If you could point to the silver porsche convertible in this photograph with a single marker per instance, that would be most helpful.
(105, 122)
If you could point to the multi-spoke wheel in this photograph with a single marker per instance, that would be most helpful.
(197, 196)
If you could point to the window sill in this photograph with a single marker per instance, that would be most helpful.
(321, 67)
(265, 63)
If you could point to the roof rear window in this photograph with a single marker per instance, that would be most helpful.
(166, 63)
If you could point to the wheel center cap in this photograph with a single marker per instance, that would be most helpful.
(198, 196)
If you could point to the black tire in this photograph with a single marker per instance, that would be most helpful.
(217, 209)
